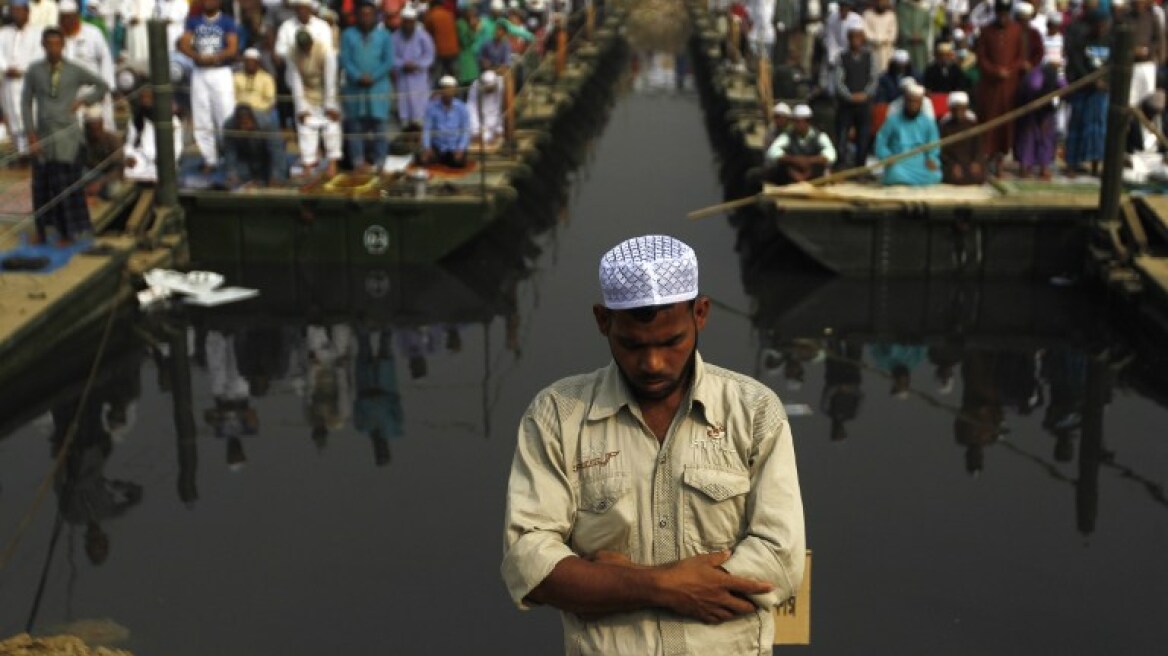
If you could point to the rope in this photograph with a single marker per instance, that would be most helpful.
(974, 131)
(62, 454)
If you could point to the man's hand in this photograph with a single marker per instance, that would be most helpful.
(930, 164)
(93, 188)
(460, 156)
(1141, 52)
(975, 168)
(302, 118)
(859, 97)
(77, 105)
(698, 587)
(34, 144)
(134, 21)
(1003, 74)
(409, 67)
(605, 557)
(13, 73)
(365, 80)
(332, 114)
(427, 156)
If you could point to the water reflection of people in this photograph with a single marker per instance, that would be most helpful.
(328, 389)
(85, 496)
(232, 417)
(945, 358)
(899, 361)
(980, 421)
(377, 408)
(842, 379)
(1066, 373)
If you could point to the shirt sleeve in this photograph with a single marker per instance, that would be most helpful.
(778, 148)
(775, 544)
(539, 506)
(826, 148)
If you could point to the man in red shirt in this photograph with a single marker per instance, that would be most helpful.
(440, 23)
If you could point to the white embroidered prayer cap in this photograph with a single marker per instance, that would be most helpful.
(251, 53)
(447, 81)
(900, 56)
(802, 111)
(915, 90)
(409, 13)
(646, 271)
(1024, 9)
(489, 77)
(782, 109)
(68, 7)
(959, 98)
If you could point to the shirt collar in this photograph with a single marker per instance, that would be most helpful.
(612, 394)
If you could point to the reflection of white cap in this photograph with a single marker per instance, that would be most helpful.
(490, 77)
(126, 80)
(447, 81)
(801, 111)
(251, 53)
(647, 271)
(900, 56)
(409, 13)
(1024, 9)
(782, 109)
(67, 7)
(959, 98)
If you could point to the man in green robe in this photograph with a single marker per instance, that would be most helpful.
(915, 23)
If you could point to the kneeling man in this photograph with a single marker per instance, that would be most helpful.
(904, 131)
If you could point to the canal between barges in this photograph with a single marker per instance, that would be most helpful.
(983, 465)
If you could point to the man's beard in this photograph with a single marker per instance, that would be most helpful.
(638, 386)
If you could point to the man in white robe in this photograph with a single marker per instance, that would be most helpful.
(87, 46)
(20, 45)
(487, 125)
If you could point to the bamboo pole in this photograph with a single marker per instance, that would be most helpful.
(589, 22)
(733, 36)
(509, 108)
(561, 49)
(765, 91)
(163, 115)
(974, 131)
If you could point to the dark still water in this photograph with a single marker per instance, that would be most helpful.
(1011, 505)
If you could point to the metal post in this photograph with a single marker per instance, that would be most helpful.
(1111, 184)
(167, 193)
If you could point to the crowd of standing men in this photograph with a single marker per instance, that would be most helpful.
(345, 76)
(888, 76)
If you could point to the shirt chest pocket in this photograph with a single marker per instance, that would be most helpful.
(714, 507)
(605, 515)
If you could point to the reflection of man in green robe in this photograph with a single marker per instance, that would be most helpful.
(915, 23)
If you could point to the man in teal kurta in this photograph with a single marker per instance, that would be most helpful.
(904, 131)
(915, 25)
(468, 61)
(367, 59)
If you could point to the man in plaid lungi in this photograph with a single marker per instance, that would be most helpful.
(55, 138)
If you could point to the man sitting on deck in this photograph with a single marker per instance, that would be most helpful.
(780, 121)
(800, 153)
(485, 104)
(963, 163)
(904, 131)
(446, 131)
(253, 157)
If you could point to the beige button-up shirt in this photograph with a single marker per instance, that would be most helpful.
(588, 475)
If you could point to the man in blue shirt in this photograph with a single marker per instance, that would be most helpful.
(211, 40)
(367, 59)
(496, 53)
(446, 130)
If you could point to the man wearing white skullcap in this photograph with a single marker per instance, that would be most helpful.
(446, 129)
(904, 131)
(485, 104)
(944, 74)
(962, 163)
(413, 55)
(305, 18)
(780, 120)
(312, 78)
(800, 153)
(86, 45)
(899, 71)
(1002, 56)
(655, 502)
(855, 79)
